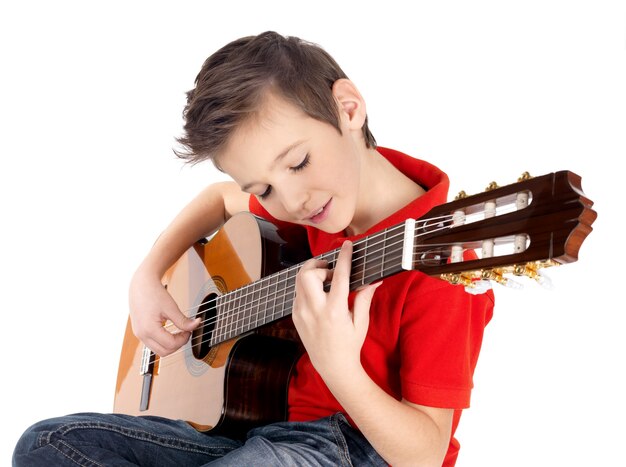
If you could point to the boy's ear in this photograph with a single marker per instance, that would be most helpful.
(351, 104)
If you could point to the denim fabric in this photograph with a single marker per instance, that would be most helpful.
(120, 440)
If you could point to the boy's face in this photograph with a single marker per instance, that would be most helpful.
(301, 170)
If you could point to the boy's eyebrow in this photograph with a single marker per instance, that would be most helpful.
(277, 159)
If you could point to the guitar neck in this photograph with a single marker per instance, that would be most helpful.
(516, 229)
(271, 298)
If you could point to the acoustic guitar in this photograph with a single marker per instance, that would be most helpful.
(233, 373)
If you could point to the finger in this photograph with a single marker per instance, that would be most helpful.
(310, 289)
(341, 275)
(312, 272)
(312, 278)
(314, 263)
(155, 347)
(164, 343)
(179, 319)
(361, 307)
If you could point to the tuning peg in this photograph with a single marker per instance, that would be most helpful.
(471, 281)
(534, 272)
(493, 275)
(492, 186)
(461, 195)
(496, 276)
(544, 280)
(524, 176)
(511, 284)
(478, 287)
(457, 279)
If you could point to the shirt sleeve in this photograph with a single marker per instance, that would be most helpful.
(440, 339)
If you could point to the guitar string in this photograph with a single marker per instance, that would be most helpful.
(288, 292)
(422, 223)
(286, 297)
(231, 297)
(324, 256)
(243, 307)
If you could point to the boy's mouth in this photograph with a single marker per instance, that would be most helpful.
(321, 214)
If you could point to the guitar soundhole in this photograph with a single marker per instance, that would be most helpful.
(201, 336)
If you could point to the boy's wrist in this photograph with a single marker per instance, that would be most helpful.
(345, 378)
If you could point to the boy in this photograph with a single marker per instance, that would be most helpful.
(385, 375)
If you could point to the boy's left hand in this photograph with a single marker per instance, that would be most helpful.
(331, 332)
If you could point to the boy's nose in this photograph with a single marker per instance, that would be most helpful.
(294, 202)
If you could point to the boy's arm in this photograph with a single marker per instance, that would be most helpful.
(403, 433)
(150, 304)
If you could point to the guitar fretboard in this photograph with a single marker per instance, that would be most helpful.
(271, 298)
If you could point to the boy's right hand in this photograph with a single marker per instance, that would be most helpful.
(150, 307)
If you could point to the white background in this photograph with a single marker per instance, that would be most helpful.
(91, 95)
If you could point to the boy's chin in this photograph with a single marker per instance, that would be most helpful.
(331, 228)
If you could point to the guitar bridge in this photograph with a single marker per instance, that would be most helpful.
(148, 358)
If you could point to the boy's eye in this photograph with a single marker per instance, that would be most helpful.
(297, 168)
(266, 193)
(302, 164)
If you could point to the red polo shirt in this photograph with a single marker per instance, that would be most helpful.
(424, 335)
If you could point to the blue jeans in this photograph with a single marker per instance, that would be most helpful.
(121, 440)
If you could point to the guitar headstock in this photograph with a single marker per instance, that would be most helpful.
(514, 230)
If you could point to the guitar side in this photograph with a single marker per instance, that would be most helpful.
(238, 383)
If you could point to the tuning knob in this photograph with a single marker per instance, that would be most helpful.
(496, 276)
(478, 287)
(524, 176)
(461, 195)
(493, 275)
(532, 271)
(511, 284)
(544, 280)
(492, 186)
(457, 279)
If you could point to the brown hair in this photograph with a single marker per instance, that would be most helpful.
(233, 82)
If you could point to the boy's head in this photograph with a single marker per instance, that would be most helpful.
(235, 81)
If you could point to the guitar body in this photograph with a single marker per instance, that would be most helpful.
(236, 384)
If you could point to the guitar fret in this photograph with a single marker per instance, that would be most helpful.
(289, 294)
(256, 319)
(239, 304)
(255, 300)
(228, 316)
(364, 263)
(382, 261)
(239, 310)
(230, 306)
(219, 310)
(273, 306)
(284, 301)
(276, 296)
(246, 321)
(246, 309)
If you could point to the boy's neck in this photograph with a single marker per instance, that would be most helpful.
(383, 191)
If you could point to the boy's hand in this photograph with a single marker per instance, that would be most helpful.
(332, 333)
(151, 306)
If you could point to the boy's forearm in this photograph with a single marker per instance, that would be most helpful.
(202, 216)
(400, 433)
